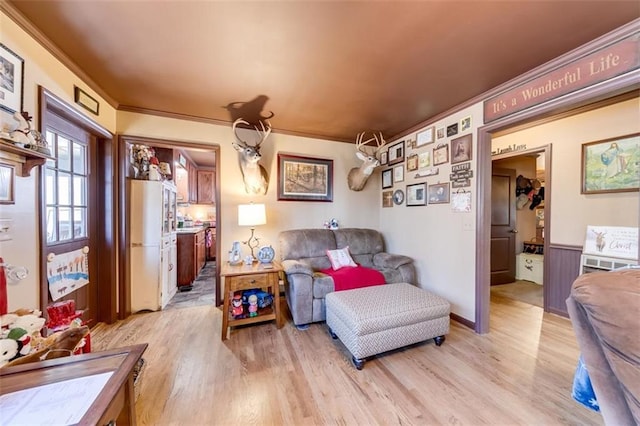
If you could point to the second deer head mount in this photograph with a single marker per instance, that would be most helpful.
(358, 176)
(256, 179)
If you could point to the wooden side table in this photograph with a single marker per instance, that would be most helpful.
(245, 277)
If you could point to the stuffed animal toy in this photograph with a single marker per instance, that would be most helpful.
(8, 351)
(30, 322)
(64, 344)
(23, 338)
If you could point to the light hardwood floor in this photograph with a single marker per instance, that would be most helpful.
(519, 373)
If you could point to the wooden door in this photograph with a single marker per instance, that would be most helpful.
(503, 221)
(206, 187)
(71, 235)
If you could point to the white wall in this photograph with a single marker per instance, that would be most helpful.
(40, 68)
(352, 209)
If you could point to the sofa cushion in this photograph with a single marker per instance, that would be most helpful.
(322, 285)
(340, 258)
(306, 243)
(360, 241)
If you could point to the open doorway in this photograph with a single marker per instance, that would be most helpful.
(193, 243)
(517, 226)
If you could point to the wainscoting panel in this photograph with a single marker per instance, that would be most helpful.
(563, 269)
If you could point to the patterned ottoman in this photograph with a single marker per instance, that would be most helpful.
(372, 320)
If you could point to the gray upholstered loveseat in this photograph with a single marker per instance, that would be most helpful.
(303, 254)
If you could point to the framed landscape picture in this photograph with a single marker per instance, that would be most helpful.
(611, 165)
(387, 178)
(304, 178)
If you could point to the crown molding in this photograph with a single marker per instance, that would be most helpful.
(16, 16)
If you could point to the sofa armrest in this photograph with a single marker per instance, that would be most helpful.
(393, 261)
(296, 267)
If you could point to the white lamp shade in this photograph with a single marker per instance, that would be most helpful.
(251, 214)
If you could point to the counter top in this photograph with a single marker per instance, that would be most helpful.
(191, 230)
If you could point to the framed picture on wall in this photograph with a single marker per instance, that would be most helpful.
(416, 194)
(439, 193)
(608, 165)
(304, 178)
(441, 154)
(396, 153)
(11, 80)
(398, 173)
(461, 149)
(424, 137)
(387, 178)
(7, 177)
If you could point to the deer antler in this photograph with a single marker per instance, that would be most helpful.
(264, 132)
(360, 144)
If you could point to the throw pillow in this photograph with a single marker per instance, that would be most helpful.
(340, 258)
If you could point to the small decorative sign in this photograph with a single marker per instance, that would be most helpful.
(461, 201)
(461, 175)
(83, 99)
(602, 65)
(510, 148)
(429, 172)
(612, 241)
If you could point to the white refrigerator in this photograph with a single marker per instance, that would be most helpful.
(152, 234)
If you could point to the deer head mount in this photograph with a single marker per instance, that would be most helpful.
(256, 180)
(358, 176)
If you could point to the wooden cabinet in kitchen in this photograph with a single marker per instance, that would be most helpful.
(193, 183)
(206, 186)
(191, 257)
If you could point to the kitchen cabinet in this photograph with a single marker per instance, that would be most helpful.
(206, 187)
(191, 256)
(169, 258)
(193, 182)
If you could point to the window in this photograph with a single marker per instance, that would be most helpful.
(66, 189)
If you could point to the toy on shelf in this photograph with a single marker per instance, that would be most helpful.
(237, 310)
(253, 305)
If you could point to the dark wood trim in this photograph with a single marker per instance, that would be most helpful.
(564, 268)
(625, 83)
(467, 323)
(123, 200)
(107, 299)
(16, 16)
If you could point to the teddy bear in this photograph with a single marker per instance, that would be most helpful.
(8, 351)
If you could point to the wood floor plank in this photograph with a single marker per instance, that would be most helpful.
(519, 373)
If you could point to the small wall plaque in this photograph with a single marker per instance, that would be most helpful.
(83, 99)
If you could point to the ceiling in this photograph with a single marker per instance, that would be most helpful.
(325, 69)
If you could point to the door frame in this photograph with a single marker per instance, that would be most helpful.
(124, 288)
(609, 92)
(546, 150)
(105, 164)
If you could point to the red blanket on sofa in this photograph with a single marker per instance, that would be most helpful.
(348, 278)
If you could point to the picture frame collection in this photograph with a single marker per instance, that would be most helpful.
(433, 146)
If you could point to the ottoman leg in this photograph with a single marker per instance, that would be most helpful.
(357, 362)
(333, 335)
(439, 340)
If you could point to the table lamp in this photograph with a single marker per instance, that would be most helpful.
(251, 215)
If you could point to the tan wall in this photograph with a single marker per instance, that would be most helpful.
(572, 211)
(40, 69)
(352, 209)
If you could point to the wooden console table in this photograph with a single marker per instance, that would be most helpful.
(245, 277)
(115, 401)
